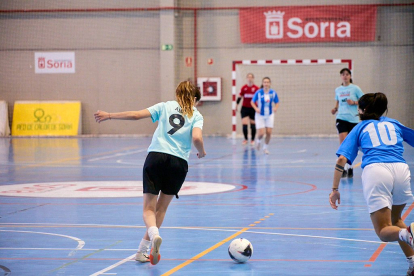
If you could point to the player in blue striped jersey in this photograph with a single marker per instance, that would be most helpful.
(166, 165)
(262, 102)
(386, 176)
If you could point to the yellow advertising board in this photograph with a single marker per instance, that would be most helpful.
(45, 118)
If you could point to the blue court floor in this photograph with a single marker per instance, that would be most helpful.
(73, 206)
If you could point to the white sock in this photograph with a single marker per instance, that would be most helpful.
(265, 146)
(410, 261)
(144, 246)
(258, 141)
(403, 235)
(152, 231)
(346, 166)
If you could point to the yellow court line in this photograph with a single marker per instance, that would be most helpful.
(357, 165)
(198, 256)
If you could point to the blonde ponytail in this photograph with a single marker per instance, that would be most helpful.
(185, 94)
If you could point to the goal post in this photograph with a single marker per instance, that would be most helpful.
(305, 88)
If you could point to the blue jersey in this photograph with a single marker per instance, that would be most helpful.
(174, 132)
(379, 140)
(264, 101)
(348, 112)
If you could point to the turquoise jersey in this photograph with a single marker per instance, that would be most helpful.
(348, 112)
(174, 132)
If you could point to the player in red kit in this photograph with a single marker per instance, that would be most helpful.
(247, 111)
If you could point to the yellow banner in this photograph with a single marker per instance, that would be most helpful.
(46, 118)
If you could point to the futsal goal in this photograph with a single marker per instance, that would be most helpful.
(306, 90)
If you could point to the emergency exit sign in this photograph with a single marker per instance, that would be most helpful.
(166, 47)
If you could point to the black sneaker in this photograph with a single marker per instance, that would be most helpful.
(344, 174)
(350, 172)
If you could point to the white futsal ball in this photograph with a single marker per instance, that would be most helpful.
(240, 250)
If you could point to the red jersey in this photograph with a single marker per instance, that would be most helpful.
(247, 92)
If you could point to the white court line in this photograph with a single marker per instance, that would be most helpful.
(81, 243)
(113, 266)
(116, 155)
(70, 224)
(212, 229)
(283, 234)
(89, 249)
(253, 232)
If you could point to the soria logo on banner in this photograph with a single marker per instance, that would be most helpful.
(54, 62)
(308, 24)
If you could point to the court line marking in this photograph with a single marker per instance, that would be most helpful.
(81, 243)
(43, 164)
(113, 266)
(379, 250)
(59, 225)
(116, 155)
(286, 234)
(186, 262)
(81, 258)
(63, 249)
(198, 256)
(199, 260)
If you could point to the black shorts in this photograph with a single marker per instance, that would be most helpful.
(163, 172)
(344, 126)
(247, 112)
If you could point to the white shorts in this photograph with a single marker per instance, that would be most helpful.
(386, 184)
(263, 121)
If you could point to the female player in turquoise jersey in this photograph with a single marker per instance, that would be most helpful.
(262, 102)
(386, 176)
(346, 97)
(166, 166)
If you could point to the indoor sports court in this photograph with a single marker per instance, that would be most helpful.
(71, 189)
(83, 215)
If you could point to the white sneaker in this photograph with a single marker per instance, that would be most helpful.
(258, 146)
(142, 257)
(155, 255)
(266, 151)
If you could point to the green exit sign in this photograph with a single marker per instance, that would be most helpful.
(166, 47)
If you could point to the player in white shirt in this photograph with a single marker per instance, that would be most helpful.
(166, 166)
(386, 176)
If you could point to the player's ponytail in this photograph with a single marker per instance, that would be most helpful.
(185, 94)
(373, 105)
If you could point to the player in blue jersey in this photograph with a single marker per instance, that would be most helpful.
(262, 102)
(386, 176)
(346, 97)
(165, 168)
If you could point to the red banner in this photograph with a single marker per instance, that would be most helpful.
(308, 24)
